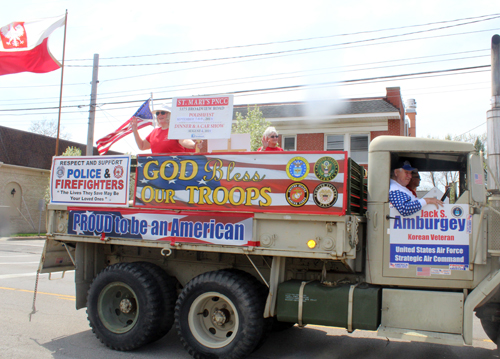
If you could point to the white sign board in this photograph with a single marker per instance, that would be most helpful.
(90, 180)
(201, 117)
(431, 237)
(239, 141)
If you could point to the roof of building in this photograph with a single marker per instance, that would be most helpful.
(301, 109)
(30, 149)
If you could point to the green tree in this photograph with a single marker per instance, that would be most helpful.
(70, 151)
(253, 123)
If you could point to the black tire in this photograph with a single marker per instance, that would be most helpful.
(122, 306)
(217, 316)
(261, 294)
(168, 298)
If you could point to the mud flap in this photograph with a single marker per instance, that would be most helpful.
(57, 257)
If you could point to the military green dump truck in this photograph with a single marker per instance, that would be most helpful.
(226, 247)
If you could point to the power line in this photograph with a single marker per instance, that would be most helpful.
(493, 16)
(268, 77)
(471, 129)
(282, 55)
(345, 82)
(308, 49)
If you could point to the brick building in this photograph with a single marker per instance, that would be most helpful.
(347, 125)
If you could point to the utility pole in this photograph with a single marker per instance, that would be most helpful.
(93, 98)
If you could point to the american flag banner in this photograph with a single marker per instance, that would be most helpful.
(233, 229)
(144, 118)
(424, 271)
(285, 182)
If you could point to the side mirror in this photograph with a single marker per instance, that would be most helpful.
(475, 175)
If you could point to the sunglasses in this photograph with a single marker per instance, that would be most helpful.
(273, 136)
(161, 113)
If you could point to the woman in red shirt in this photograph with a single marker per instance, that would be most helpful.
(158, 140)
(270, 140)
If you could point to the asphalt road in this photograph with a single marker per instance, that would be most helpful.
(59, 331)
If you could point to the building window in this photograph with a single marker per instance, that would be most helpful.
(355, 144)
(335, 143)
(359, 148)
(289, 143)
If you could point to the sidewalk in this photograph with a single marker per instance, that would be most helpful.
(41, 237)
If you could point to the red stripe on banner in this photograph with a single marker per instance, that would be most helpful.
(38, 60)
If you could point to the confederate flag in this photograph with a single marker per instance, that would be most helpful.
(24, 46)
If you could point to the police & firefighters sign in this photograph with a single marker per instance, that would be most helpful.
(91, 180)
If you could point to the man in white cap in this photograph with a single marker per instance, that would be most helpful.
(158, 140)
(401, 197)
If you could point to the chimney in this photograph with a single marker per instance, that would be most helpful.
(411, 112)
(393, 96)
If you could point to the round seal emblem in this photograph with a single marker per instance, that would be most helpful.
(297, 168)
(457, 211)
(325, 195)
(60, 171)
(297, 194)
(326, 168)
(118, 171)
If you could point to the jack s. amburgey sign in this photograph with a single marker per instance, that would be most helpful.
(437, 237)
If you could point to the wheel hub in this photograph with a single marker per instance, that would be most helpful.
(127, 306)
(220, 316)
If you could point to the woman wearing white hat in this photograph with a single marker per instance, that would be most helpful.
(158, 140)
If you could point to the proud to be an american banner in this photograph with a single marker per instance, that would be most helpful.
(298, 182)
(232, 229)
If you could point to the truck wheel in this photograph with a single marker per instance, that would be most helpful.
(123, 305)
(169, 296)
(217, 316)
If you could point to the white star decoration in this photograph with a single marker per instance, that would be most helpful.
(403, 203)
(78, 230)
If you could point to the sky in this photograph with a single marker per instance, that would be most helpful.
(260, 51)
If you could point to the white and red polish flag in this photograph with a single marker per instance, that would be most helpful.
(24, 46)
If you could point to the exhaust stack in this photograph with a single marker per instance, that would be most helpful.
(493, 115)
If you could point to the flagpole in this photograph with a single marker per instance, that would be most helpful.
(62, 77)
(153, 110)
